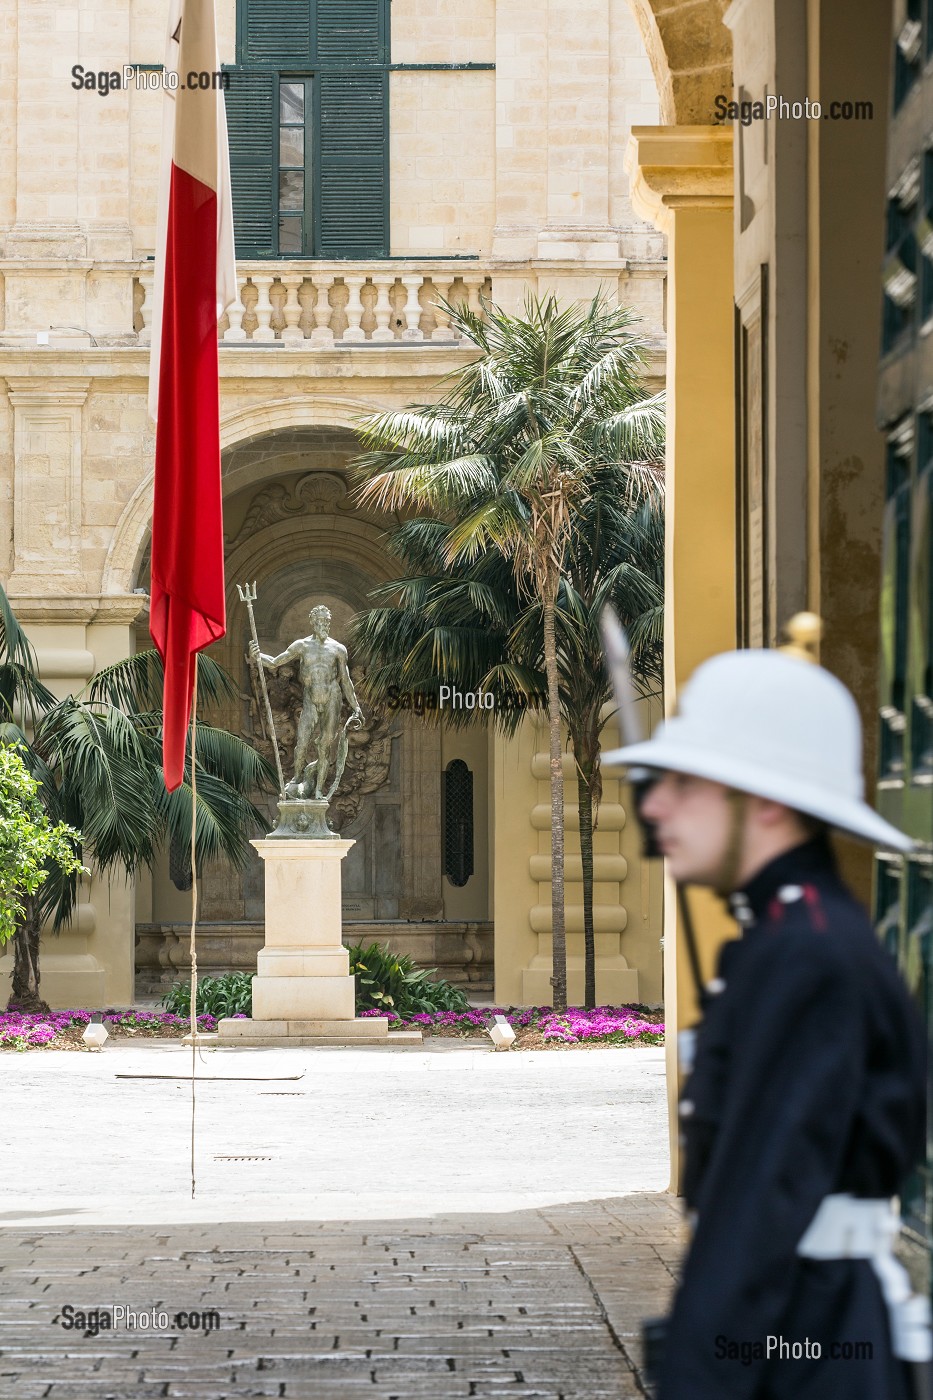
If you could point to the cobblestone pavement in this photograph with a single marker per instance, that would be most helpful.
(502, 1265)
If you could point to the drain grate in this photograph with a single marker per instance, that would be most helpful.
(281, 1093)
(241, 1157)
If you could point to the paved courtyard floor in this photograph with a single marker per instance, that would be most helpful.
(390, 1223)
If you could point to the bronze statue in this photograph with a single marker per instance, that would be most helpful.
(326, 684)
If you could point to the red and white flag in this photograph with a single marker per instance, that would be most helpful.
(195, 282)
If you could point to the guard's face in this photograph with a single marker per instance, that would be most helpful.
(693, 821)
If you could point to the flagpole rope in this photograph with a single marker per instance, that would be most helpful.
(194, 908)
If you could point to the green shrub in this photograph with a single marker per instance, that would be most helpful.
(384, 981)
(391, 982)
(217, 996)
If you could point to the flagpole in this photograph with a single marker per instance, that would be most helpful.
(194, 908)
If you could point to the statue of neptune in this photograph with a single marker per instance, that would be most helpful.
(325, 683)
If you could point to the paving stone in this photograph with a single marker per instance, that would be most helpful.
(432, 1294)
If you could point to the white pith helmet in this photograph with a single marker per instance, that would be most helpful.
(775, 725)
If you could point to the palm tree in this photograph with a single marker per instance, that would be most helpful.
(507, 461)
(98, 759)
(466, 625)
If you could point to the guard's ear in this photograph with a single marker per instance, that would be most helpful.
(768, 813)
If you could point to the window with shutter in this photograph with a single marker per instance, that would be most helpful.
(308, 119)
(353, 165)
(352, 31)
(275, 31)
(250, 100)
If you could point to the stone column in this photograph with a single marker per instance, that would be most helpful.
(90, 962)
(681, 181)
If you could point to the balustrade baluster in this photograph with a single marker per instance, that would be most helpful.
(354, 308)
(235, 314)
(263, 307)
(441, 331)
(383, 310)
(292, 333)
(322, 333)
(412, 310)
(474, 284)
(145, 310)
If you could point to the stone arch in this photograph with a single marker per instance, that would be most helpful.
(690, 50)
(351, 540)
(131, 534)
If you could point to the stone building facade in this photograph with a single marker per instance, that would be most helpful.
(503, 136)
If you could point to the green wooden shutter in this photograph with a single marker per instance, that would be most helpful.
(351, 31)
(353, 180)
(274, 31)
(251, 135)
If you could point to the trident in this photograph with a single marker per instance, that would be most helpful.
(248, 596)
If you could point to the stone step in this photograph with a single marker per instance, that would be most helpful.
(337, 1036)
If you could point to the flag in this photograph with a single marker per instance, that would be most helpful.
(194, 283)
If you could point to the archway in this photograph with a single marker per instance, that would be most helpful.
(690, 50)
(293, 527)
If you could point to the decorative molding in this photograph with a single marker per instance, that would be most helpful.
(315, 493)
(47, 500)
(679, 167)
(82, 609)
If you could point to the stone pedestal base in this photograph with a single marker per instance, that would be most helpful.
(303, 993)
(366, 1030)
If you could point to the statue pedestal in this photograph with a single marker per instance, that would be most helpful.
(303, 993)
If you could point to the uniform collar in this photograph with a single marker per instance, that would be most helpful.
(788, 871)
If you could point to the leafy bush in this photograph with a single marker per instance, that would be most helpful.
(29, 841)
(228, 995)
(388, 981)
(384, 982)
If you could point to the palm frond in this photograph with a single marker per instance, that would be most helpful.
(136, 682)
(224, 818)
(99, 762)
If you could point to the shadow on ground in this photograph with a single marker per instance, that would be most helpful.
(543, 1303)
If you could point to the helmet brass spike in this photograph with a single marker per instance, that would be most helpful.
(803, 633)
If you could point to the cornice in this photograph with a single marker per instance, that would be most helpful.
(679, 167)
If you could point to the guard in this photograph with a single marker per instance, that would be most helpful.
(805, 1109)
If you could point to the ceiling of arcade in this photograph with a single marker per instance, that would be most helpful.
(691, 54)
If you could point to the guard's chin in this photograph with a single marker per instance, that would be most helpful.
(684, 871)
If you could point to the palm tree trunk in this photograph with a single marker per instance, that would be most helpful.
(558, 932)
(585, 806)
(24, 993)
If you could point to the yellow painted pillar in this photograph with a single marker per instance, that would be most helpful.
(682, 182)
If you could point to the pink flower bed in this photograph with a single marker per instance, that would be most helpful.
(611, 1025)
(20, 1030)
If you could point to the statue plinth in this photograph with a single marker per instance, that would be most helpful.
(303, 819)
(303, 993)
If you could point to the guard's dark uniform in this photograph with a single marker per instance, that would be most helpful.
(809, 1080)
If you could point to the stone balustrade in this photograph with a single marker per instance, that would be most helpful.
(301, 304)
(298, 303)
